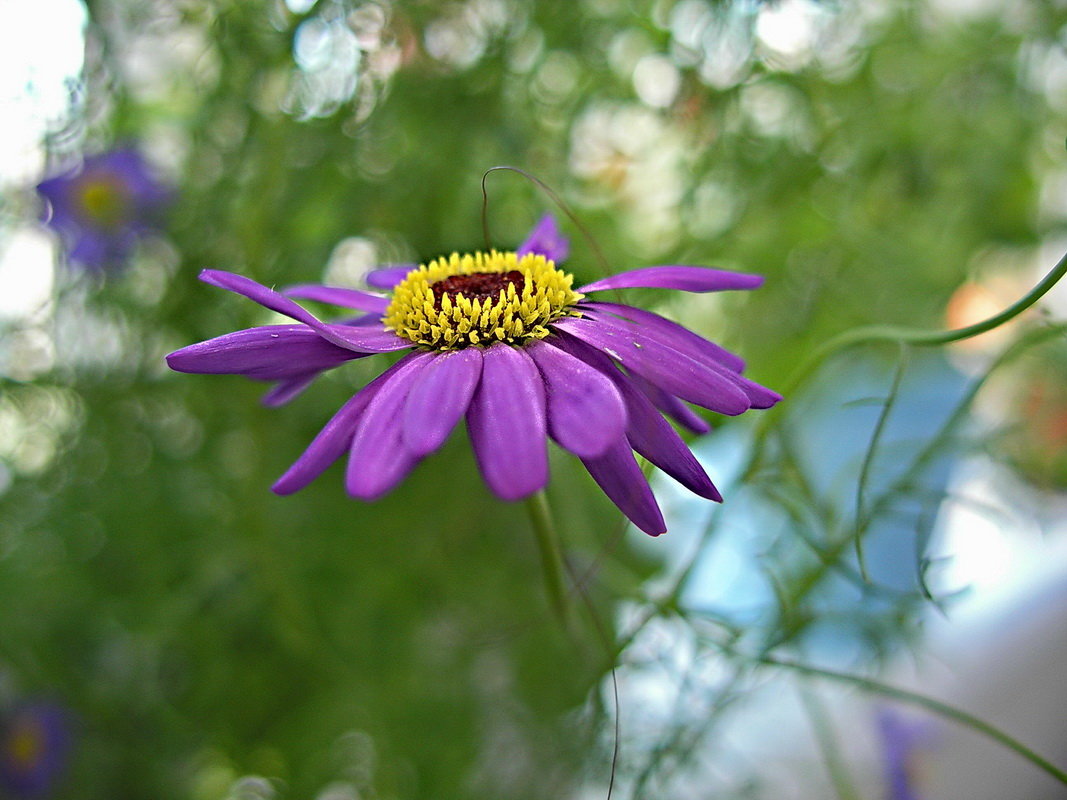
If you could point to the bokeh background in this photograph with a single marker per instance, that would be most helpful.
(895, 162)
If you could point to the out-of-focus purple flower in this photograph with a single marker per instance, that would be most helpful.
(503, 340)
(902, 741)
(35, 741)
(103, 207)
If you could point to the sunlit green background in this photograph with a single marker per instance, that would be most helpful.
(214, 641)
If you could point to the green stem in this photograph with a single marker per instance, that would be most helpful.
(551, 555)
(875, 333)
(824, 733)
(905, 336)
(930, 704)
(920, 338)
(868, 459)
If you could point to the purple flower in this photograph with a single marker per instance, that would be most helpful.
(34, 749)
(101, 209)
(902, 740)
(503, 340)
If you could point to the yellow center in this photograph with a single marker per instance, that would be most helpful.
(103, 201)
(479, 299)
(26, 744)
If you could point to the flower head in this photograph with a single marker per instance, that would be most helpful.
(101, 209)
(503, 340)
(460, 301)
(34, 747)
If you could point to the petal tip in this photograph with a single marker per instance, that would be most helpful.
(512, 494)
(765, 398)
(368, 491)
(282, 487)
(702, 486)
(270, 400)
(179, 361)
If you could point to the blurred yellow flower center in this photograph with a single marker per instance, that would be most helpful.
(103, 201)
(479, 299)
(26, 745)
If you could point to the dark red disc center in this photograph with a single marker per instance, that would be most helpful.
(477, 285)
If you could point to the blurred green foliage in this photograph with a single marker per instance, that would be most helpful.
(202, 629)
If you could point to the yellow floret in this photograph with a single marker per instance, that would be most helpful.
(459, 322)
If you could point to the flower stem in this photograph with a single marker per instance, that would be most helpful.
(904, 337)
(929, 703)
(929, 338)
(551, 555)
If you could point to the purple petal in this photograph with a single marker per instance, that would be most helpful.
(654, 438)
(388, 277)
(506, 422)
(902, 740)
(546, 240)
(286, 390)
(673, 339)
(339, 296)
(697, 347)
(683, 338)
(686, 279)
(270, 352)
(257, 292)
(649, 433)
(364, 339)
(378, 460)
(328, 446)
(335, 438)
(586, 414)
(93, 248)
(368, 320)
(618, 475)
(670, 369)
(439, 398)
(671, 406)
(56, 190)
(759, 396)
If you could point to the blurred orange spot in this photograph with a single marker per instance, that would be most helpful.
(970, 304)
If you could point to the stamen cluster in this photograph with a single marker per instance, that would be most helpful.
(479, 299)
